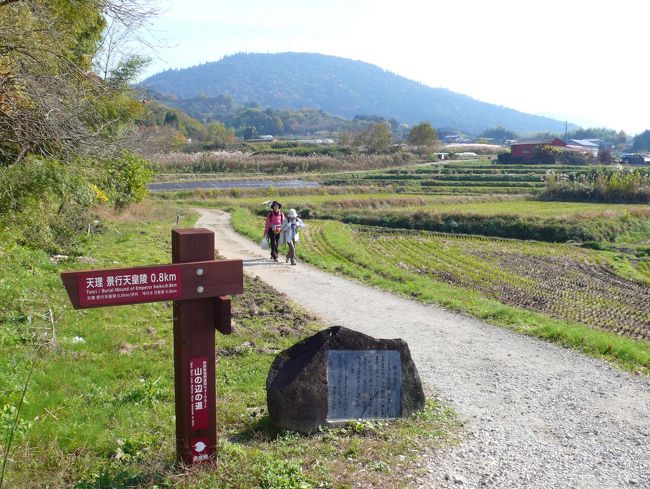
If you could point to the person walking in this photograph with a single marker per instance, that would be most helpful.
(290, 229)
(273, 227)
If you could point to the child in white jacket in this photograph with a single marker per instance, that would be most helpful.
(290, 229)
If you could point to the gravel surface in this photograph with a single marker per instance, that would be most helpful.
(536, 415)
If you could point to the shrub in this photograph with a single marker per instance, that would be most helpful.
(125, 179)
(615, 185)
(505, 158)
(44, 203)
(605, 155)
(575, 158)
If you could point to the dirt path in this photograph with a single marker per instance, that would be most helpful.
(536, 415)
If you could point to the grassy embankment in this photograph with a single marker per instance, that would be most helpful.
(98, 408)
(506, 216)
(478, 286)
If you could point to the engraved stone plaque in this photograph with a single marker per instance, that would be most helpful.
(338, 375)
(364, 384)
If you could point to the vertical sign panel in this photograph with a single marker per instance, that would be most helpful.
(199, 393)
(194, 353)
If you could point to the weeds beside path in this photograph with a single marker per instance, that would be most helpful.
(87, 397)
(538, 415)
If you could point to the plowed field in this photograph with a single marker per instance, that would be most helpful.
(560, 281)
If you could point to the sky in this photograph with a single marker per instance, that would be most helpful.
(581, 61)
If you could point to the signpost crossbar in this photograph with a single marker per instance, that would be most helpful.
(182, 281)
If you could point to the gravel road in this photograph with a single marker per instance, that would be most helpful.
(536, 415)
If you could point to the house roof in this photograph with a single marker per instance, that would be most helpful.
(578, 148)
(530, 141)
(535, 141)
(589, 143)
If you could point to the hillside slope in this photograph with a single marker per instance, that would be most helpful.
(341, 87)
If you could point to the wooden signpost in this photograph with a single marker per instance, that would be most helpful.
(200, 288)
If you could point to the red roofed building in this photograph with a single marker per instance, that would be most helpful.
(531, 149)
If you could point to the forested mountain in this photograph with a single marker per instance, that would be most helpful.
(341, 87)
(265, 120)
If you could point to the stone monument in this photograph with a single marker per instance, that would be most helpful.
(339, 375)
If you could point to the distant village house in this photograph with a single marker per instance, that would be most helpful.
(549, 151)
(530, 149)
(591, 145)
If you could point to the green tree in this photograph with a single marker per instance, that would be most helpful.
(376, 138)
(250, 132)
(641, 142)
(499, 134)
(125, 71)
(219, 136)
(608, 136)
(422, 136)
(171, 119)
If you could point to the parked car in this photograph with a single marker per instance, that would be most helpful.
(635, 159)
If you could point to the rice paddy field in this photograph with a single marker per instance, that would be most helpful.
(566, 283)
(518, 216)
(479, 176)
(475, 237)
(592, 300)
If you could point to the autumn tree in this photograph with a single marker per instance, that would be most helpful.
(63, 128)
(423, 137)
(51, 104)
(376, 138)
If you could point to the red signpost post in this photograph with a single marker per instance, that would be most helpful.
(200, 288)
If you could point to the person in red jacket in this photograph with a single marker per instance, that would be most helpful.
(273, 227)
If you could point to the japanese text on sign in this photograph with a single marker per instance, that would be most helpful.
(198, 449)
(364, 384)
(199, 393)
(127, 286)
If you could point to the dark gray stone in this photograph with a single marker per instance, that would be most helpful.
(363, 381)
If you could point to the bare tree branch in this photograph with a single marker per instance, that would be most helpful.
(48, 104)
